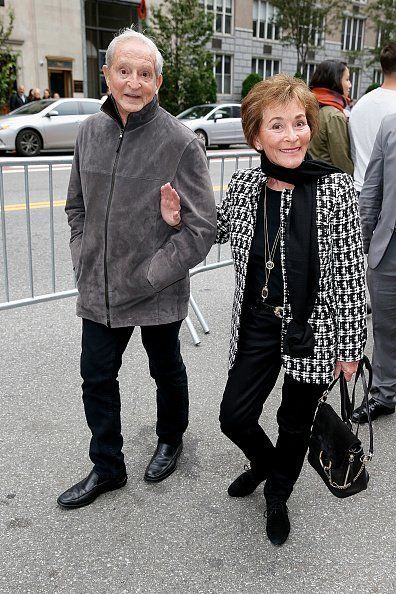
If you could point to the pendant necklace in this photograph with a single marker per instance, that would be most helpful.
(269, 254)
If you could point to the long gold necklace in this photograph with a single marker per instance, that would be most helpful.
(269, 254)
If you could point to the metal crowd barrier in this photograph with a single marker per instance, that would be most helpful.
(19, 240)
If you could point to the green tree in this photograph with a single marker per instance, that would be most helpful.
(302, 21)
(181, 30)
(8, 60)
(371, 87)
(383, 15)
(249, 82)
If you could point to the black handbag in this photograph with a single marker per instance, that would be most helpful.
(335, 450)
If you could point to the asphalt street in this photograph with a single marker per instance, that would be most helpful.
(184, 535)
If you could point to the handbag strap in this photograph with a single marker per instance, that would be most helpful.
(347, 406)
(364, 363)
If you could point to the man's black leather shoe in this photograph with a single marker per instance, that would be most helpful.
(278, 525)
(163, 462)
(87, 490)
(376, 410)
(245, 484)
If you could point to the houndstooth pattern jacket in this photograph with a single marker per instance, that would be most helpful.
(339, 316)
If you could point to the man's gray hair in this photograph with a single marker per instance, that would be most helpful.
(127, 34)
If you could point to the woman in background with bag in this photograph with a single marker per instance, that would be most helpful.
(330, 84)
(299, 299)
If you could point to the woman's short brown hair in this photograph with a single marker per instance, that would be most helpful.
(280, 89)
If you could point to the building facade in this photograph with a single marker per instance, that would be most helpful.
(246, 39)
(61, 44)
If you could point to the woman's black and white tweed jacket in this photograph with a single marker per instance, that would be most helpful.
(339, 316)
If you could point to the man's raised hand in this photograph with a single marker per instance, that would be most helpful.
(170, 205)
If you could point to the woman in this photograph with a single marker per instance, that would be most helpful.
(46, 94)
(299, 300)
(330, 84)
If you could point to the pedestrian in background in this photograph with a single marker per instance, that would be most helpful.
(132, 269)
(18, 99)
(36, 94)
(46, 94)
(299, 301)
(368, 113)
(378, 216)
(30, 96)
(330, 84)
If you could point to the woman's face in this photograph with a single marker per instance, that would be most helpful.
(284, 134)
(345, 83)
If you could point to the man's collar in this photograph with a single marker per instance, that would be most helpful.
(134, 119)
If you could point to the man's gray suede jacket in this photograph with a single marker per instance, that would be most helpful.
(131, 267)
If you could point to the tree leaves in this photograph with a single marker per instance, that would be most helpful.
(8, 60)
(181, 30)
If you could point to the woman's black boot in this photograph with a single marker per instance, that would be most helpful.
(278, 524)
(246, 483)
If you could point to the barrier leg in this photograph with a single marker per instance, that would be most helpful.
(192, 330)
(199, 315)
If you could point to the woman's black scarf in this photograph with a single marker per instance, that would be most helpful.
(302, 251)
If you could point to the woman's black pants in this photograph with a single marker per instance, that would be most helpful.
(250, 381)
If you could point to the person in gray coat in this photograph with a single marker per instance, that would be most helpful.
(132, 266)
(378, 217)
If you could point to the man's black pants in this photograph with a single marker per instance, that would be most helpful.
(249, 384)
(101, 359)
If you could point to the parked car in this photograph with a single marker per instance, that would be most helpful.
(44, 124)
(215, 124)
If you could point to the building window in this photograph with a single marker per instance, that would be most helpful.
(309, 69)
(264, 67)
(103, 20)
(352, 34)
(355, 82)
(222, 72)
(264, 25)
(378, 76)
(316, 31)
(222, 14)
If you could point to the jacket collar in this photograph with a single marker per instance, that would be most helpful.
(135, 119)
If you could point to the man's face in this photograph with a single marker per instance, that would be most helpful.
(21, 90)
(131, 77)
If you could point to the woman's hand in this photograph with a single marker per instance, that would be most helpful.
(170, 205)
(349, 368)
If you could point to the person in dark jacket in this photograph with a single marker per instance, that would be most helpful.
(131, 267)
(18, 99)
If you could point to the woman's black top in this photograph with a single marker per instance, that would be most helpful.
(256, 265)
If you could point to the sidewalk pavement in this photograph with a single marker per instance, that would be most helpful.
(184, 535)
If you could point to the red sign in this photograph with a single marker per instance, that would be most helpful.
(142, 10)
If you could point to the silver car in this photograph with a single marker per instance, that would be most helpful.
(215, 124)
(44, 124)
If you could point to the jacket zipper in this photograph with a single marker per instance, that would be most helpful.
(106, 278)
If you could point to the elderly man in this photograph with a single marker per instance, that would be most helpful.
(132, 267)
(18, 99)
